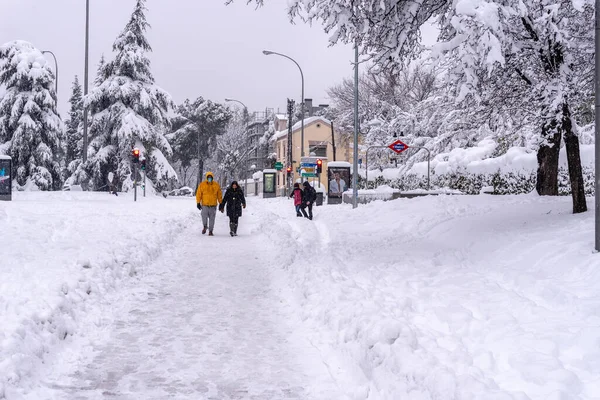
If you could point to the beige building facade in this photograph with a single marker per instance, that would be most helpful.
(318, 142)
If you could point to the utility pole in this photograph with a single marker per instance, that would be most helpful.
(85, 79)
(135, 173)
(333, 141)
(597, 126)
(355, 158)
(290, 110)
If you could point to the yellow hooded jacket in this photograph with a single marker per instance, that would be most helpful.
(209, 193)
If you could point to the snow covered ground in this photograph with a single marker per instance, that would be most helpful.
(61, 253)
(446, 297)
(470, 297)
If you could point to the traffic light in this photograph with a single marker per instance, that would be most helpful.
(289, 171)
(144, 164)
(135, 155)
(319, 166)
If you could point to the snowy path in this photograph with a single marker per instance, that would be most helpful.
(205, 324)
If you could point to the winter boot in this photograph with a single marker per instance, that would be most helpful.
(232, 229)
(204, 230)
(235, 229)
(210, 233)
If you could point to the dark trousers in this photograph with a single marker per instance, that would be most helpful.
(299, 209)
(309, 206)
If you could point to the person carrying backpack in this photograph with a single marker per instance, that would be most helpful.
(297, 196)
(234, 201)
(309, 196)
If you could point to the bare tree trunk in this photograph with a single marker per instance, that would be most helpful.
(574, 162)
(547, 156)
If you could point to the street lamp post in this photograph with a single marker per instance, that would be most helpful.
(268, 53)
(597, 129)
(247, 144)
(355, 157)
(85, 79)
(55, 68)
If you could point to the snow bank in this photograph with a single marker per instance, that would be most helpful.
(450, 297)
(61, 253)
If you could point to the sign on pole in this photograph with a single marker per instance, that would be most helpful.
(278, 166)
(398, 146)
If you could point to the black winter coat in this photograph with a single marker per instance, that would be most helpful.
(234, 200)
(309, 194)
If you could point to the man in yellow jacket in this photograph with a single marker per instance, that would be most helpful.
(208, 197)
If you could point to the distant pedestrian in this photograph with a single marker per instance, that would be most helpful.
(309, 196)
(208, 197)
(297, 196)
(235, 201)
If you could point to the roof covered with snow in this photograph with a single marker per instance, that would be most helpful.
(298, 125)
(340, 164)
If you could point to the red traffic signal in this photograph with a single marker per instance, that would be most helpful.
(319, 166)
(289, 170)
(135, 153)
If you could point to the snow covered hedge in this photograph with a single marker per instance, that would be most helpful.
(475, 169)
(469, 183)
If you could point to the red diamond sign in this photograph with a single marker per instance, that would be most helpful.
(398, 146)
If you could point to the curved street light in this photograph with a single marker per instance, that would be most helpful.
(268, 53)
(56, 69)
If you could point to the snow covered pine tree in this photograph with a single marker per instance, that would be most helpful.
(30, 128)
(73, 134)
(128, 110)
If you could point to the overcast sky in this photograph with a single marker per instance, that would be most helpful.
(200, 47)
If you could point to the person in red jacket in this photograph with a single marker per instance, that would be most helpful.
(297, 196)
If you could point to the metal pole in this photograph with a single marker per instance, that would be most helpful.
(85, 79)
(56, 69)
(135, 182)
(333, 142)
(144, 183)
(302, 115)
(355, 161)
(597, 126)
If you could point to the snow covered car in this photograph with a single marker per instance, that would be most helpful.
(183, 191)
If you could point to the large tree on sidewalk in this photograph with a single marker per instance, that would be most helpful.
(30, 127)
(129, 110)
(195, 129)
(531, 57)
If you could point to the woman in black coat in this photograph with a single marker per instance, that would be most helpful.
(235, 201)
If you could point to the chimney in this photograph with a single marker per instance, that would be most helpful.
(280, 124)
(308, 108)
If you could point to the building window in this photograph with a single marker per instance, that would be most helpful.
(319, 148)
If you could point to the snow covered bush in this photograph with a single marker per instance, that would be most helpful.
(30, 127)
